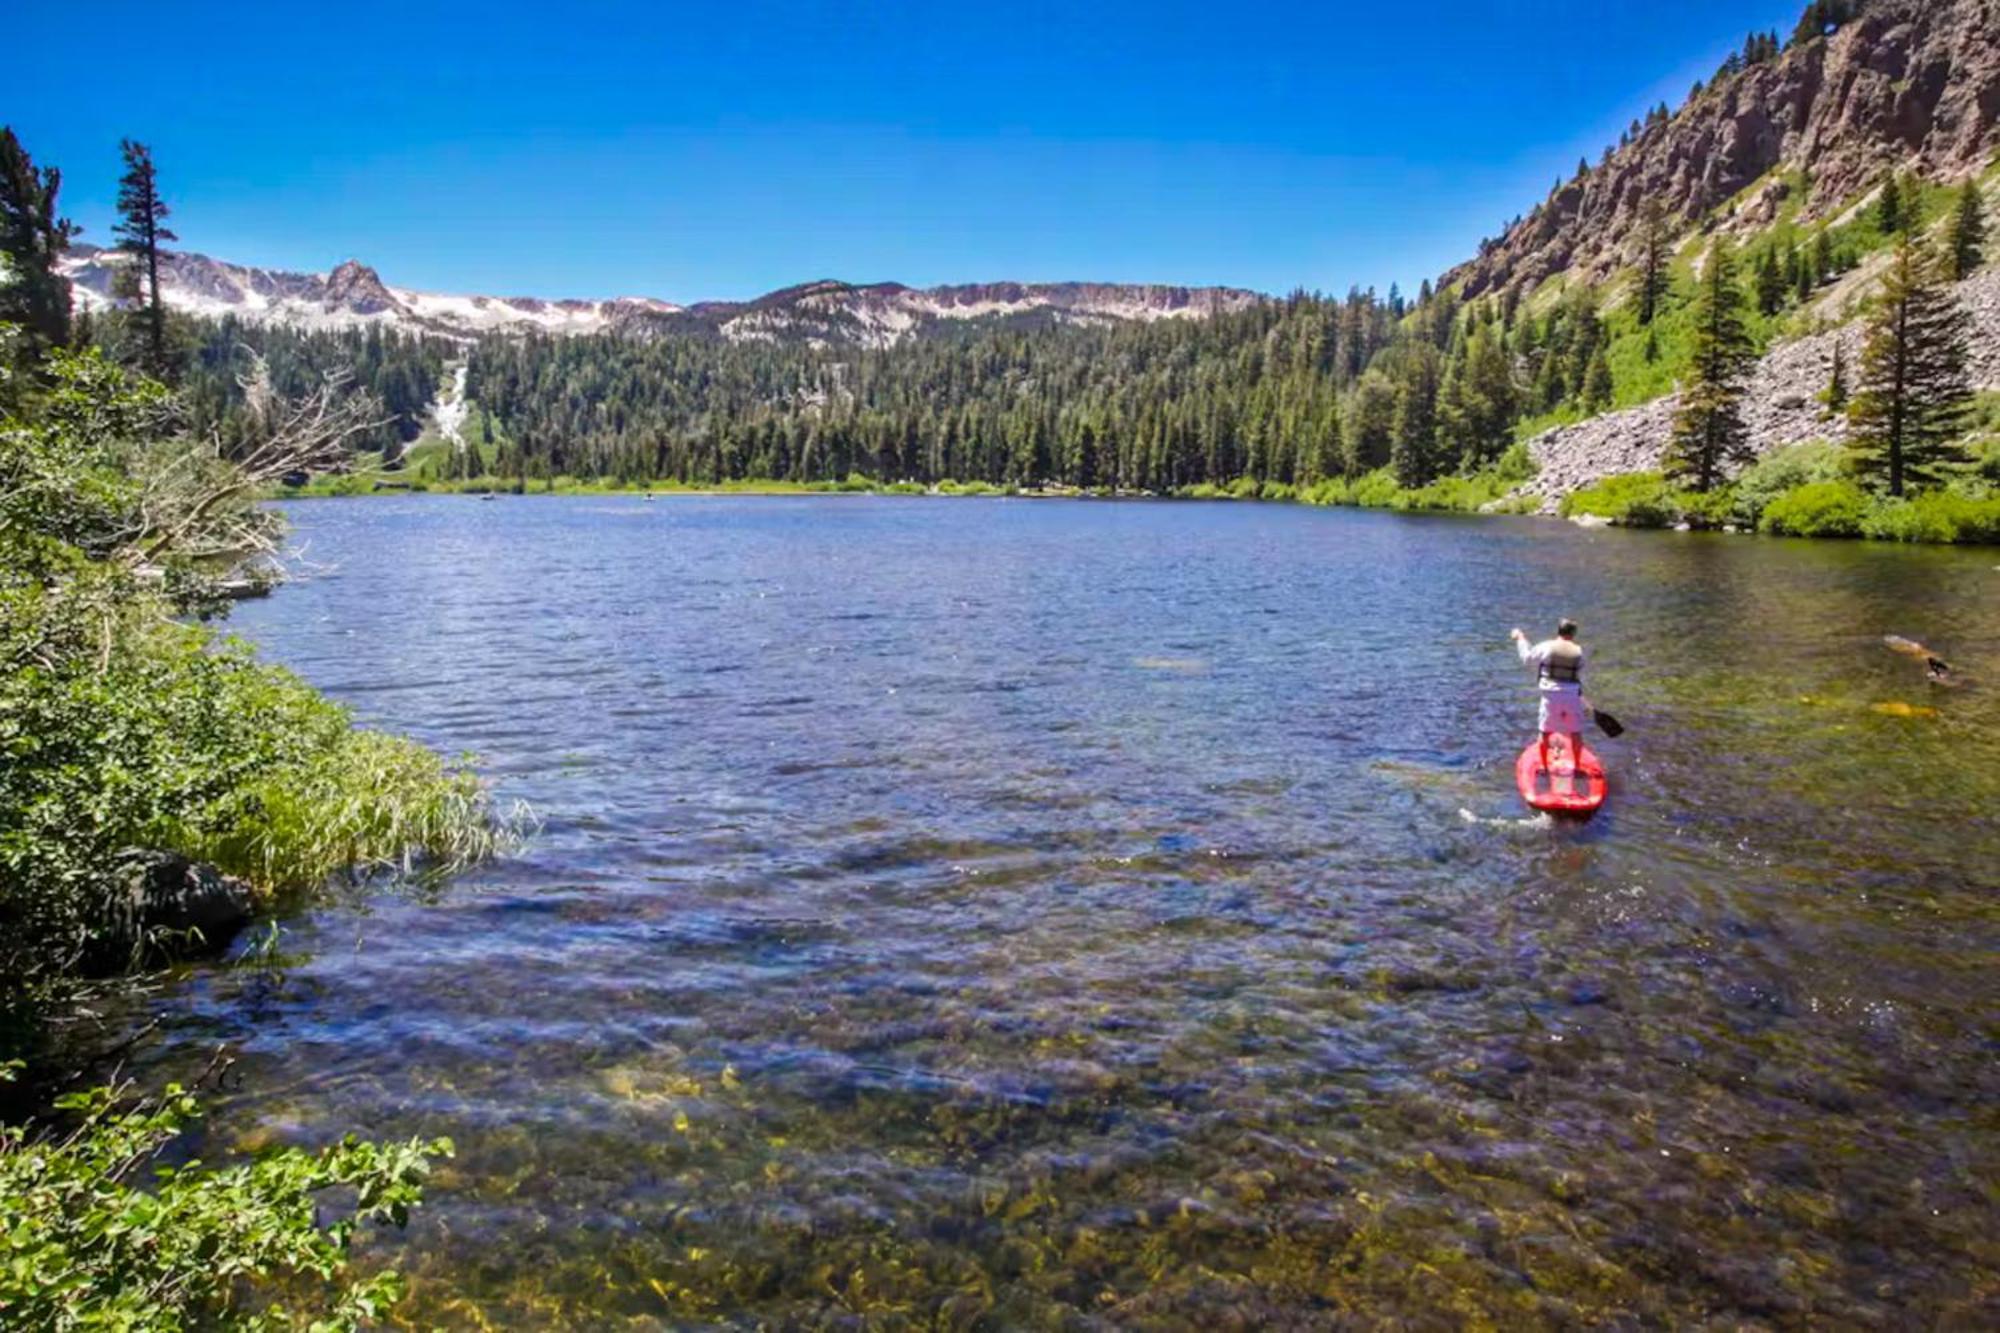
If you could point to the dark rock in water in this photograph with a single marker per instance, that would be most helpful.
(169, 907)
(1586, 993)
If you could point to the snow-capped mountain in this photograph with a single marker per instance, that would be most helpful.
(875, 315)
(351, 296)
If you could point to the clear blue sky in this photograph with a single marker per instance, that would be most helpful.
(724, 149)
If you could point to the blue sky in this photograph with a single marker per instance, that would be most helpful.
(721, 150)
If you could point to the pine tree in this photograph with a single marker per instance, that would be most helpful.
(1477, 419)
(1597, 386)
(1825, 266)
(1655, 257)
(1968, 233)
(1370, 424)
(1812, 23)
(1890, 215)
(1836, 383)
(1909, 407)
(1413, 429)
(1709, 434)
(33, 293)
(1804, 280)
(1770, 282)
(142, 215)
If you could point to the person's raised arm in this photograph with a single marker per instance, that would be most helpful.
(1521, 644)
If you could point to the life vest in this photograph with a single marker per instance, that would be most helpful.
(1563, 664)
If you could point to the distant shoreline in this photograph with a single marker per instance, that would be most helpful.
(1400, 501)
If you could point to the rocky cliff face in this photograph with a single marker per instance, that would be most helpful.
(353, 295)
(1907, 83)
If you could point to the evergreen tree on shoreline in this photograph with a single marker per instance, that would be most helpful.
(1369, 429)
(1910, 404)
(1413, 431)
(1709, 434)
(33, 294)
(142, 216)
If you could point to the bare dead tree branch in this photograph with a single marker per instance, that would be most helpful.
(187, 506)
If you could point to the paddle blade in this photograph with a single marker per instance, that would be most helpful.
(1607, 724)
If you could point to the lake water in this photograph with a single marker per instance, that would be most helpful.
(992, 913)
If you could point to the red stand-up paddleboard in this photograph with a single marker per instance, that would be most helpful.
(1570, 785)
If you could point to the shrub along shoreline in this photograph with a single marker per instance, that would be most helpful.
(143, 756)
(1806, 490)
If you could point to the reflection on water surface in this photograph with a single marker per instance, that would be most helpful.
(1001, 913)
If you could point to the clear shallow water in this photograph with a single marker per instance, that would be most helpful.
(1001, 913)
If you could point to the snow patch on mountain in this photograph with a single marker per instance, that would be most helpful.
(449, 411)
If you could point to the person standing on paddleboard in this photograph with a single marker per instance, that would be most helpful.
(1558, 665)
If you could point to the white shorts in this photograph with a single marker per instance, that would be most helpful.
(1562, 710)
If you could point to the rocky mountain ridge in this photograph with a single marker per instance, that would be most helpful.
(353, 295)
(1903, 84)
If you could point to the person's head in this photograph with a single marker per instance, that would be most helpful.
(1566, 628)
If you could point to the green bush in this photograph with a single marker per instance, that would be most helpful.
(1243, 488)
(1708, 509)
(1376, 490)
(91, 1244)
(1784, 470)
(1817, 509)
(1633, 499)
(123, 728)
(1985, 451)
(1460, 495)
(1515, 466)
(1935, 516)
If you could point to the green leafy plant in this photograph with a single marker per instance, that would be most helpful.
(100, 1235)
(1935, 516)
(1818, 509)
(1780, 471)
(1633, 499)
